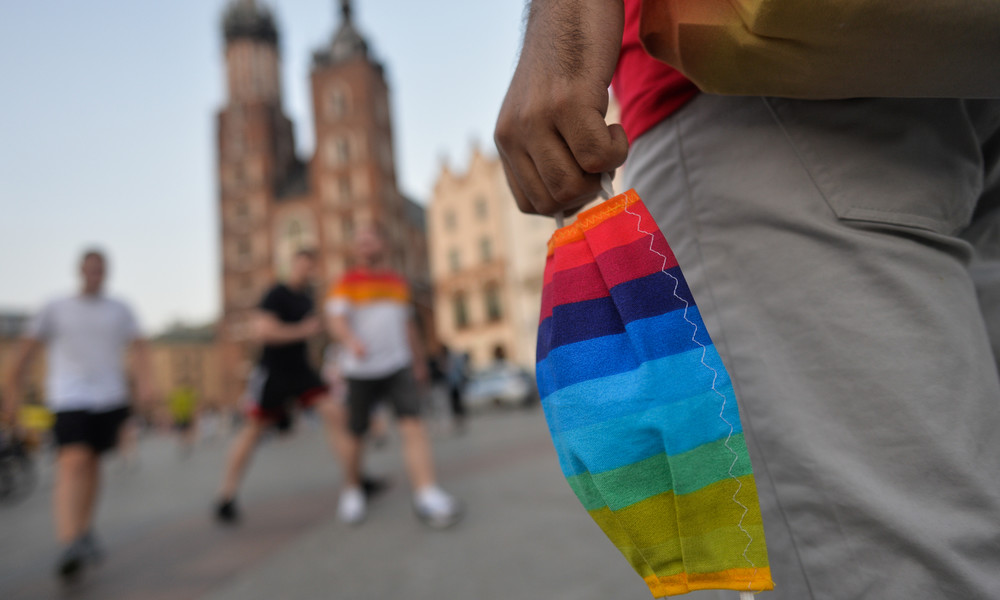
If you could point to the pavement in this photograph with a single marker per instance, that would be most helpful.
(524, 534)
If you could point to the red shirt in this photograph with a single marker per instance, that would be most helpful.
(647, 90)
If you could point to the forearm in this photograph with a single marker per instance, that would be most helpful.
(271, 330)
(551, 133)
(341, 329)
(282, 334)
(574, 39)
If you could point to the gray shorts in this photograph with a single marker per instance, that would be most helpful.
(828, 245)
(363, 395)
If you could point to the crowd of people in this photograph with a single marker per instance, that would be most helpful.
(99, 372)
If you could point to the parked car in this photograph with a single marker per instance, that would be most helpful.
(500, 385)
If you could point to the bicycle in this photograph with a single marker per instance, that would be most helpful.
(18, 475)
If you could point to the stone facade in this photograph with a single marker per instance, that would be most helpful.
(487, 260)
(188, 357)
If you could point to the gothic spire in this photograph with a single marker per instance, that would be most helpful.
(347, 42)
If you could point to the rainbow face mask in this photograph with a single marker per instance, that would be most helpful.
(641, 409)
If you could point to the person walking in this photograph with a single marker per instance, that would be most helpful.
(87, 337)
(455, 366)
(828, 244)
(283, 377)
(382, 359)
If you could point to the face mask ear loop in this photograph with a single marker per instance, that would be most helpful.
(607, 187)
(607, 192)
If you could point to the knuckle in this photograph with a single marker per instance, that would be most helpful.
(555, 176)
(503, 135)
(592, 158)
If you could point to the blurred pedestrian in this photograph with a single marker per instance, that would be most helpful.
(87, 337)
(826, 244)
(456, 376)
(283, 377)
(183, 406)
(383, 359)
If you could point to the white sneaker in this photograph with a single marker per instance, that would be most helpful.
(436, 508)
(352, 506)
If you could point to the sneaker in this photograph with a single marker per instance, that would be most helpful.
(71, 562)
(352, 506)
(436, 508)
(226, 512)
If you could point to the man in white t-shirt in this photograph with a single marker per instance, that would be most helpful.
(87, 337)
(382, 359)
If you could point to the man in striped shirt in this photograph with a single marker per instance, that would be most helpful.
(382, 358)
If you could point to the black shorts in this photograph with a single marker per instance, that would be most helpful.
(363, 395)
(99, 430)
(273, 391)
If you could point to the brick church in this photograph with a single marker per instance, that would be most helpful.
(273, 202)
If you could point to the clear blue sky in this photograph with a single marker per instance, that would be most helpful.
(107, 125)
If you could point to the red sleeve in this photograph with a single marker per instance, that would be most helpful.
(647, 90)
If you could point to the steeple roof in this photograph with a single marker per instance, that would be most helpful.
(347, 40)
(245, 19)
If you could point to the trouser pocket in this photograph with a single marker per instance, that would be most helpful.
(898, 162)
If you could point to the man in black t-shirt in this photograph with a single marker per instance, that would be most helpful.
(283, 376)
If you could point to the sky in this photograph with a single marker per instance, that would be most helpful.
(107, 129)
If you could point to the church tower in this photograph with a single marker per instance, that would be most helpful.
(256, 158)
(353, 168)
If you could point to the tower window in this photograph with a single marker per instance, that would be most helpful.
(482, 210)
(344, 186)
(347, 226)
(450, 221)
(337, 151)
(337, 104)
(343, 151)
(295, 233)
(454, 260)
(243, 251)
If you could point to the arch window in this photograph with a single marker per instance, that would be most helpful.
(337, 104)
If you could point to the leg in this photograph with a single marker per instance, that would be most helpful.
(91, 493)
(239, 457)
(457, 405)
(361, 396)
(334, 415)
(417, 452)
(75, 491)
(818, 239)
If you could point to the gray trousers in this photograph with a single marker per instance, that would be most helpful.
(828, 245)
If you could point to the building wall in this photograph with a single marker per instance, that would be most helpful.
(195, 364)
(34, 385)
(457, 226)
(468, 211)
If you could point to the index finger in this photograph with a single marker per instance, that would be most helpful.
(596, 146)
